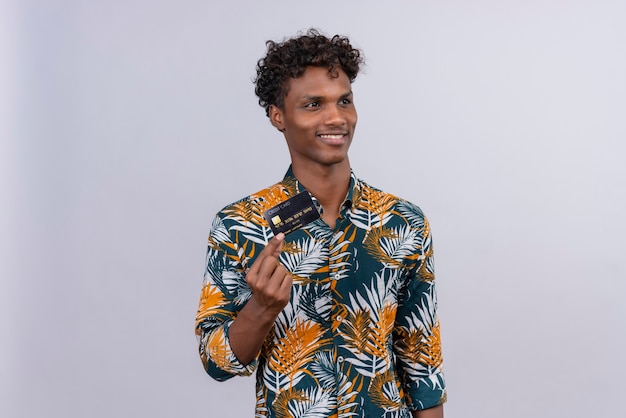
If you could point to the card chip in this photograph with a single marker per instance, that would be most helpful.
(276, 220)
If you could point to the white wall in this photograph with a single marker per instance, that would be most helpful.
(128, 124)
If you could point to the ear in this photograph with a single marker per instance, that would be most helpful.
(276, 117)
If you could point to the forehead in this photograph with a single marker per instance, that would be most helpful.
(319, 81)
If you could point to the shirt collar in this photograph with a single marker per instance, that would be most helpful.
(351, 200)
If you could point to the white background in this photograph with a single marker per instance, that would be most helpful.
(127, 124)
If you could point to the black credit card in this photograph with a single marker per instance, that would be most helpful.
(292, 214)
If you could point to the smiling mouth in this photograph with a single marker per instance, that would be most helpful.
(334, 139)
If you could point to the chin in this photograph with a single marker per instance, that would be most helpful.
(334, 161)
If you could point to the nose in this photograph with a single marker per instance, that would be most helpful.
(334, 116)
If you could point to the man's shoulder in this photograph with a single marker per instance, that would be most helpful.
(255, 204)
(370, 196)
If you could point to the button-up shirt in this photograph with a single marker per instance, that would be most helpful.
(360, 334)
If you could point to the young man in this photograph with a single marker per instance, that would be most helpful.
(338, 318)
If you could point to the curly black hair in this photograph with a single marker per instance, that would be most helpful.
(289, 59)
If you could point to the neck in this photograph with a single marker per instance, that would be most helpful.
(329, 184)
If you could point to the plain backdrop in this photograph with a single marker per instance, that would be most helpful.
(127, 124)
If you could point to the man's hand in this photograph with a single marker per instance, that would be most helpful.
(270, 283)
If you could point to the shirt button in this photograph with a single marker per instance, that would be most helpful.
(340, 359)
(336, 276)
(339, 318)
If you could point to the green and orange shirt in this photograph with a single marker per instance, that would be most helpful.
(360, 335)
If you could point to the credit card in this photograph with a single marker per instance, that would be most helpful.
(292, 214)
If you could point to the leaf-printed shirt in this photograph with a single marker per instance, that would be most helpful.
(360, 335)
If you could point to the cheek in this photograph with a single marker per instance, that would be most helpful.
(304, 126)
(353, 116)
(352, 121)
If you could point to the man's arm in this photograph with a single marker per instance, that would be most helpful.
(270, 283)
(417, 343)
(436, 412)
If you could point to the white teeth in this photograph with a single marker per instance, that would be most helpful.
(331, 136)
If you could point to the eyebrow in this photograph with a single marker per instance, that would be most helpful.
(319, 98)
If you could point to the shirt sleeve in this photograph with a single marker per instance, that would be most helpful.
(224, 293)
(417, 342)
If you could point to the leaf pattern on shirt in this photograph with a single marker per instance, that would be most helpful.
(385, 392)
(211, 302)
(307, 403)
(218, 350)
(297, 348)
(303, 258)
(419, 343)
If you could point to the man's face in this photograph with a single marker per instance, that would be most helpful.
(318, 118)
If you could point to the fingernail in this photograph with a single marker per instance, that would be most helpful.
(280, 236)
